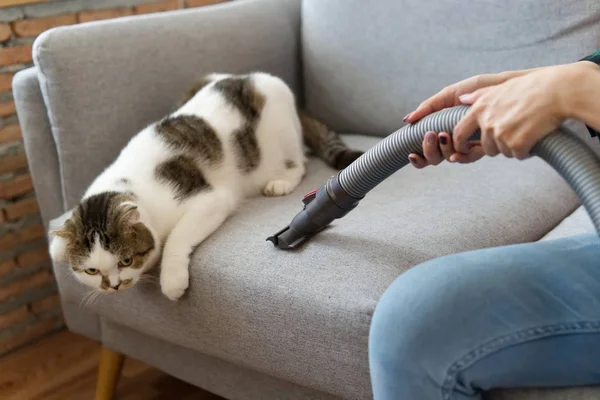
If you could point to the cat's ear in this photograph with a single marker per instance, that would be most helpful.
(62, 233)
(129, 213)
(65, 231)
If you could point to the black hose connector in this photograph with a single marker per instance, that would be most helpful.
(562, 150)
(321, 208)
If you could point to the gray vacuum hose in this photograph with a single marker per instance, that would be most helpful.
(562, 150)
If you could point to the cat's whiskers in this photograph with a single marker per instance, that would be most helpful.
(90, 297)
(148, 278)
(85, 297)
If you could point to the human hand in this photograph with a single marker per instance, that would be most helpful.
(436, 147)
(514, 115)
(450, 95)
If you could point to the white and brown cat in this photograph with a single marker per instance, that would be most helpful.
(179, 179)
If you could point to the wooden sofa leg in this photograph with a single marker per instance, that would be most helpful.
(109, 372)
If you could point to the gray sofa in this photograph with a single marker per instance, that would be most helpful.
(258, 323)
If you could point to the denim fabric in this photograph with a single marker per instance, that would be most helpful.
(524, 315)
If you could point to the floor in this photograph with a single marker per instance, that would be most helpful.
(64, 365)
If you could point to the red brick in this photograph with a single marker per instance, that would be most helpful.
(8, 240)
(46, 304)
(33, 257)
(96, 15)
(7, 108)
(15, 55)
(200, 3)
(30, 282)
(30, 334)
(31, 233)
(18, 186)
(165, 5)
(13, 317)
(12, 163)
(33, 27)
(21, 208)
(10, 133)
(5, 32)
(25, 235)
(6, 266)
(6, 82)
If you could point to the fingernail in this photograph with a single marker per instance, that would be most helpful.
(430, 137)
(412, 159)
(464, 97)
(443, 140)
(407, 117)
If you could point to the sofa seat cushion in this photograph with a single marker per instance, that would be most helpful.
(304, 316)
(577, 223)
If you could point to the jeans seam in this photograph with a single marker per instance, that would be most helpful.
(512, 339)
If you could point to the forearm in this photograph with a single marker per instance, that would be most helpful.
(584, 100)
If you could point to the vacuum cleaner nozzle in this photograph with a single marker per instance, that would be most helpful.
(321, 208)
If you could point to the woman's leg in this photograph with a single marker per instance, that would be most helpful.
(517, 316)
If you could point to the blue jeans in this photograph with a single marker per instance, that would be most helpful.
(524, 315)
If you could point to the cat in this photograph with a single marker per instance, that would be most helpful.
(177, 180)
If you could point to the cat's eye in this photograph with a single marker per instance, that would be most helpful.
(126, 262)
(91, 271)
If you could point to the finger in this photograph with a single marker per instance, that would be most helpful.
(443, 99)
(521, 152)
(522, 140)
(475, 153)
(488, 143)
(465, 129)
(470, 98)
(446, 145)
(431, 150)
(504, 149)
(417, 161)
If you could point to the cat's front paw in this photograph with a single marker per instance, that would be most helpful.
(278, 188)
(174, 281)
(174, 286)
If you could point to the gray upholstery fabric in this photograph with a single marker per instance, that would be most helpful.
(578, 222)
(368, 63)
(104, 81)
(80, 320)
(304, 316)
(39, 143)
(229, 380)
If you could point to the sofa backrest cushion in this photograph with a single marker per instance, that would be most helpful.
(368, 63)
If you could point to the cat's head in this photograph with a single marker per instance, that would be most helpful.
(105, 242)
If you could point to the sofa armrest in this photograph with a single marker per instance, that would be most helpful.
(39, 143)
(104, 81)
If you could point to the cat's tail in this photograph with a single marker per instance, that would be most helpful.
(326, 143)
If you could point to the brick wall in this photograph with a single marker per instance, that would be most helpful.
(29, 303)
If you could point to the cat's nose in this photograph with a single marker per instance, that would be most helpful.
(116, 287)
